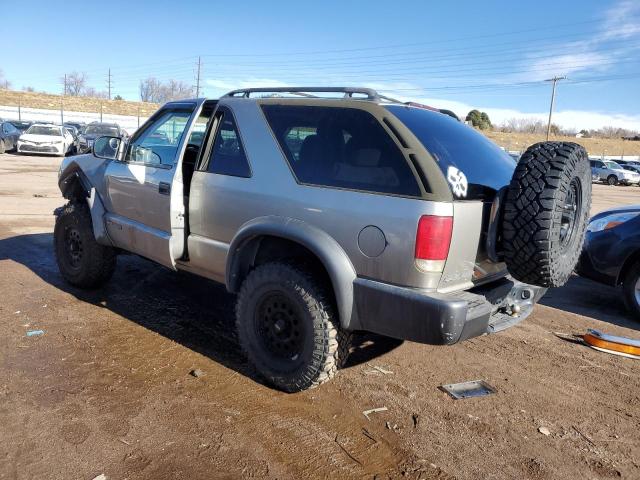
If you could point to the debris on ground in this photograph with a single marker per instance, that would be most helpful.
(616, 345)
(376, 370)
(102, 476)
(544, 431)
(416, 420)
(35, 333)
(39, 195)
(366, 413)
(470, 389)
(197, 373)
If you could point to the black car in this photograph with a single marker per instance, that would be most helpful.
(8, 136)
(77, 125)
(611, 252)
(21, 125)
(97, 129)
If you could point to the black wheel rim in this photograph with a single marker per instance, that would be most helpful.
(73, 247)
(570, 213)
(279, 326)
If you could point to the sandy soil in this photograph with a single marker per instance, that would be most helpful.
(107, 387)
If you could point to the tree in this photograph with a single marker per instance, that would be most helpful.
(152, 90)
(4, 83)
(118, 97)
(74, 83)
(149, 89)
(479, 119)
(28, 89)
(92, 92)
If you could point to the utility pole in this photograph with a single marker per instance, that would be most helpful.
(198, 78)
(553, 97)
(64, 91)
(109, 83)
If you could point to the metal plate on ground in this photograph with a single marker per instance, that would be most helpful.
(471, 389)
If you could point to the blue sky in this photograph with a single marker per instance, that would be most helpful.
(489, 55)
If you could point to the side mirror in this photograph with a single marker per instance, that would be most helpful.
(106, 148)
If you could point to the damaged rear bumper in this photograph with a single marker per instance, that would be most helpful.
(443, 319)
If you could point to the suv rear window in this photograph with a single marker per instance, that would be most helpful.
(340, 147)
(453, 144)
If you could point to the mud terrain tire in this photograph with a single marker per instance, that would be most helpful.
(82, 261)
(287, 327)
(546, 213)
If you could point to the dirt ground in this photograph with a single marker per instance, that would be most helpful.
(107, 387)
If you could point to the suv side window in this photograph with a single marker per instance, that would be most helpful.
(227, 155)
(158, 143)
(340, 147)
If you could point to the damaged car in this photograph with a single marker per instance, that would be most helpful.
(329, 211)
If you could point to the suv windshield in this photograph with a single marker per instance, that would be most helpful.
(42, 130)
(101, 130)
(454, 144)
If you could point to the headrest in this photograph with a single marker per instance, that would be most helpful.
(367, 157)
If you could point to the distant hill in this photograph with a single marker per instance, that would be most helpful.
(13, 98)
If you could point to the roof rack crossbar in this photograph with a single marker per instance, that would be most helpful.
(348, 91)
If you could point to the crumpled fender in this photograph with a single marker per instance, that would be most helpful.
(75, 184)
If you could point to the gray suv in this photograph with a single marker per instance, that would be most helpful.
(329, 211)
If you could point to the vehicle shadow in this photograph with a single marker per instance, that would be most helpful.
(190, 310)
(590, 299)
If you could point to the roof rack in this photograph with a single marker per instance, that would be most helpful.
(306, 91)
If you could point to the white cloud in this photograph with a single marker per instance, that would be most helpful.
(568, 119)
(566, 65)
(621, 20)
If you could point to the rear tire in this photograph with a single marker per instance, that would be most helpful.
(612, 180)
(2, 147)
(631, 290)
(287, 327)
(546, 213)
(82, 261)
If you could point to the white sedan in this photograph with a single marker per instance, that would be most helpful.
(46, 139)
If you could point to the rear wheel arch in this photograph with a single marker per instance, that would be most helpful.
(278, 238)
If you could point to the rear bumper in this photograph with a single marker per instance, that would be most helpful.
(442, 319)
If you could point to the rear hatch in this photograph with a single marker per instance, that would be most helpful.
(477, 172)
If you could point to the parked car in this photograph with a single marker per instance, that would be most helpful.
(632, 167)
(611, 253)
(328, 216)
(45, 138)
(95, 130)
(73, 149)
(8, 136)
(77, 125)
(21, 125)
(612, 173)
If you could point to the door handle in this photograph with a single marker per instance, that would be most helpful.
(164, 188)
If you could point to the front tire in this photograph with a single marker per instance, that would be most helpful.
(546, 213)
(612, 180)
(82, 261)
(288, 329)
(631, 290)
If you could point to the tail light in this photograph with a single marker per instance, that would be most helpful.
(432, 242)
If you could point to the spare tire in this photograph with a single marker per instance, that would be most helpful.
(546, 213)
